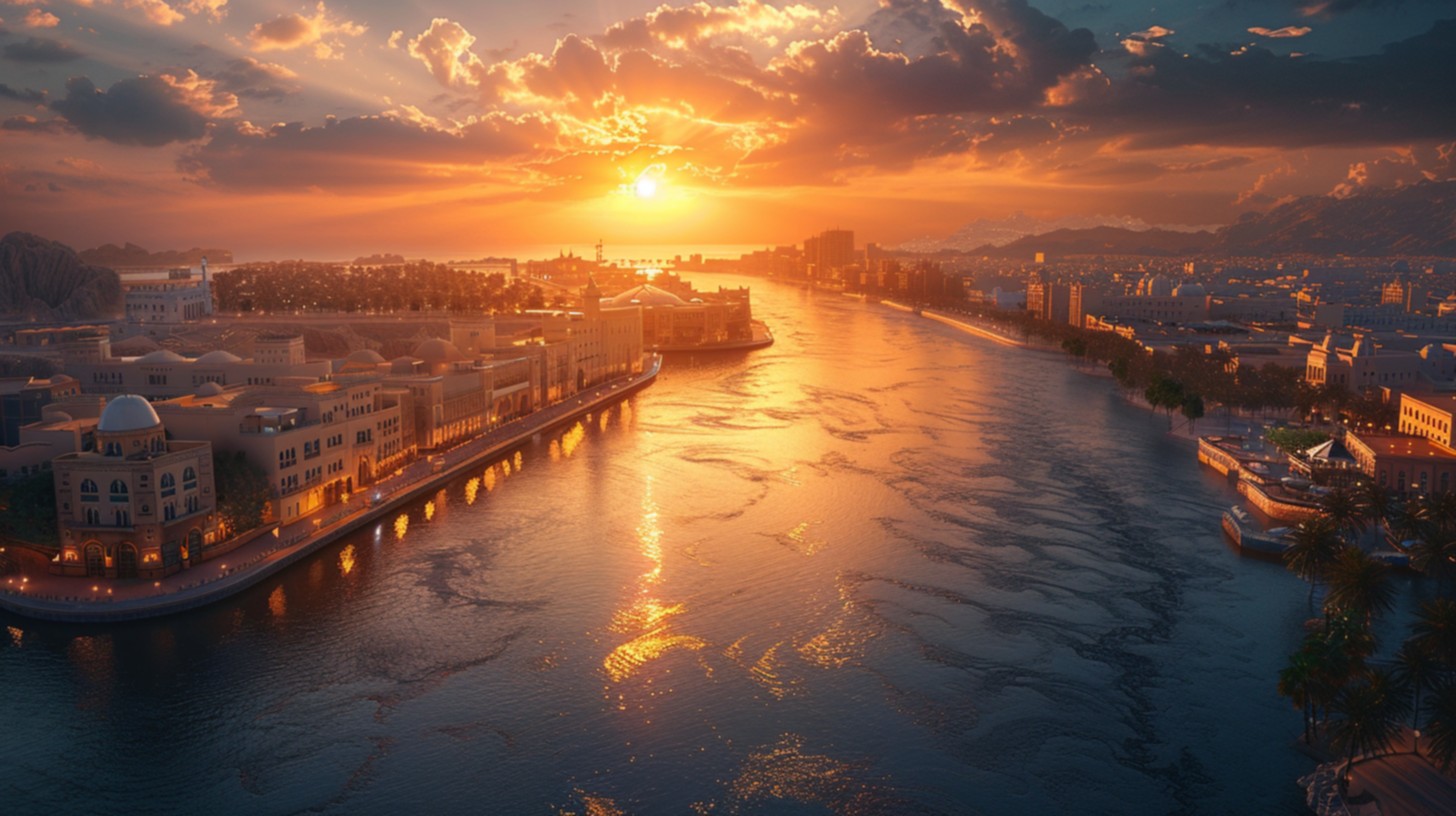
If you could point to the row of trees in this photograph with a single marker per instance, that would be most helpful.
(302, 286)
(1188, 378)
(1360, 705)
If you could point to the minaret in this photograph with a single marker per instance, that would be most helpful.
(591, 298)
(206, 287)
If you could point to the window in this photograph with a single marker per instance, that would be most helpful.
(118, 491)
(89, 490)
(189, 478)
(93, 517)
(169, 484)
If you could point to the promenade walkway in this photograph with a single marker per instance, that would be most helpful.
(42, 595)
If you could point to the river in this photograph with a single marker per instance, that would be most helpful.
(880, 567)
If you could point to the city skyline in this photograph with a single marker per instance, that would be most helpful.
(332, 127)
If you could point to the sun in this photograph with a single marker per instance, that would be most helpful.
(646, 187)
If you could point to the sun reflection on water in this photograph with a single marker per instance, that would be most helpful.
(346, 560)
(472, 489)
(401, 526)
(645, 616)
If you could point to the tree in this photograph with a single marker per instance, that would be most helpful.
(1376, 500)
(1359, 585)
(28, 506)
(1441, 725)
(243, 492)
(1435, 631)
(1434, 554)
(1367, 718)
(1415, 671)
(1314, 547)
(1297, 681)
(1341, 507)
(1192, 409)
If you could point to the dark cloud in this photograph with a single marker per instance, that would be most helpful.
(146, 110)
(41, 50)
(1252, 96)
(361, 153)
(27, 95)
(251, 79)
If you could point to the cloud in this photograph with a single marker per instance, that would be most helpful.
(145, 110)
(156, 11)
(213, 9)
(1398, 168)
(1281, 33)
(249, 78)
(444, 48)
(41, 50)
(1256, 97)
(688, 27)
(364, 152)
(30, 124)
(292, 31)
(27, 95)
(36, 18)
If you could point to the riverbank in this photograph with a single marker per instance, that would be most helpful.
(77, 600)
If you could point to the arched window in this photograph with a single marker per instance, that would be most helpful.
(89, 489)
(93, 517)
(169, 484)
(118, 490)
(189, 478)
(169, 512)
(113, 448)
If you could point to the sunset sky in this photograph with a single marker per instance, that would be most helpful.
(452, 128)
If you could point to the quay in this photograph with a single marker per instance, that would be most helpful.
(272, 549)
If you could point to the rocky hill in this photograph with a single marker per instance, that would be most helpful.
(1419, 219)
(133, 255)
(45, 280)
(1102, 241)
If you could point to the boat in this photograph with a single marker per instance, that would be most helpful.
(1249, 539)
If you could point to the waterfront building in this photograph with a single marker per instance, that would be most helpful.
(64, 426)
(163, 374)
(317, 442)
(138, 505)
(1405, 464)
(668, 321)
(176, 298)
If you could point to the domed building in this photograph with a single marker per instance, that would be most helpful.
(690, 320)
(138, 506)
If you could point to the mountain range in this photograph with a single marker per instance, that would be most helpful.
(1417, 219)
(133, 255)
(44, 280)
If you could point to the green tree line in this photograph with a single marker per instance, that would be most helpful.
(304, 286)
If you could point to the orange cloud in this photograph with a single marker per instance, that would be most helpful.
(323, 30)
(36, 18)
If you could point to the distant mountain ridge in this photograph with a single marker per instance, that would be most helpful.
(133, 255)
(1104, 241)
(45, 280)
(1418, 219)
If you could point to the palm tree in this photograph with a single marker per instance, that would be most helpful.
(1435, 632)
(1297, 681)
(1435, 555)
(1344, 509)
(1441, 725)
(1359, 585)
(1377, 501)
(1368, 717)
(1416, 671)
(1314, 547)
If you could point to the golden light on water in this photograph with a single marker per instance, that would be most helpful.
(555, 451)
(346, 560)
(572, 438)
(644, 615)
(429, 511)
(505, 467)
(519, 459)
(489, 479)
(16, 635)
(278, 602)
(472, 489)
(786, 771)
(401, 526)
